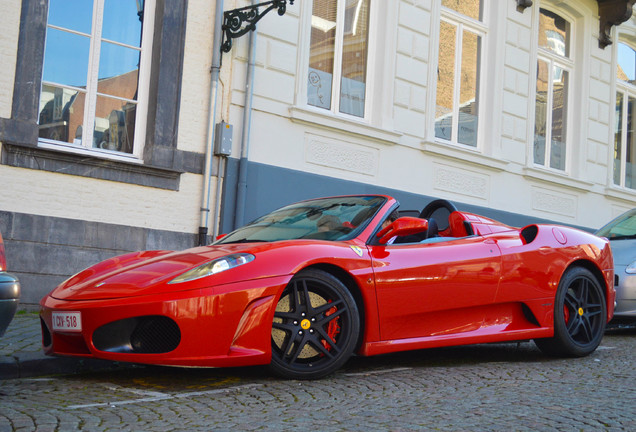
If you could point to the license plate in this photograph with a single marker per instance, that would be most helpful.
(67, 321)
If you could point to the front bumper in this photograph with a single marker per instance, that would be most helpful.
(221, 326)
(625, 294)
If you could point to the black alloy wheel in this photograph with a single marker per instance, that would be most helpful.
(315, 328)
(580, 316)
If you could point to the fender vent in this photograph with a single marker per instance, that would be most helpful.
(527, 313)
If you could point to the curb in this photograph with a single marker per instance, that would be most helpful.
(28, 365)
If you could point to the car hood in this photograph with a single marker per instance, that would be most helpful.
(624, 251)
(144, 273)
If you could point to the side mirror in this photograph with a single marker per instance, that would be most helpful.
(403, 226)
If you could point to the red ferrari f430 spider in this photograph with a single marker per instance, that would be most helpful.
(307, 286)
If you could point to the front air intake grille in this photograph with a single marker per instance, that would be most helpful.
(155, 334)
(151, 334)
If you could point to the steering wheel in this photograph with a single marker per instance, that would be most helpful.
(436, 205)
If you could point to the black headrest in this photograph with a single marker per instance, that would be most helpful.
(433, 230)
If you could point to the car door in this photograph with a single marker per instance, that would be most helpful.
(428, 289)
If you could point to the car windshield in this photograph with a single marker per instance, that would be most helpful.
(339, 218)
(623, 227)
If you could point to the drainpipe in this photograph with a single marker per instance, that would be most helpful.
(209, 152)
(241, 188)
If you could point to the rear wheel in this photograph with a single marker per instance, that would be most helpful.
(579, 316)
(316, 326)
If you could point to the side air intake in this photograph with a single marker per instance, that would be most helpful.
(529, 233)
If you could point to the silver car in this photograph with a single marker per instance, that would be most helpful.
(9, 292)
(621, 233)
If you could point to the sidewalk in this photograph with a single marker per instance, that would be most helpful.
(21, 354)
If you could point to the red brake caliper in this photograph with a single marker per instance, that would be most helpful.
(332, 328)
(566, 314)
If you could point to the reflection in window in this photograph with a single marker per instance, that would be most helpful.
(337, 70)
(90, 75)
(323, 39)
(554, 33)
(626, 70)
(457, 92)
(552, 91)
(472, 9)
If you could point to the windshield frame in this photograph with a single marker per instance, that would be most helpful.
(338, 218)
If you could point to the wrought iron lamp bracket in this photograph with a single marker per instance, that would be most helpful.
(237, 22)
(523, 4)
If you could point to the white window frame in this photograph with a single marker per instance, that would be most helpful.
(627, 90)
(567, 64)
(141, 113)
(337, 66)
(480, 28)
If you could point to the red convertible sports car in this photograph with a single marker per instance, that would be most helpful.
(307, 286)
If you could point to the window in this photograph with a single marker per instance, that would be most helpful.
(337, 74)
(554, 67)
(93, 82)
(461, 37)
(625, 121)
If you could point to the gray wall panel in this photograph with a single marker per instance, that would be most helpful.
(42, 251)
(270, 187)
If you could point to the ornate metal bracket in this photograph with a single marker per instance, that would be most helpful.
(234, 19)
(612, 13)
(523, 4)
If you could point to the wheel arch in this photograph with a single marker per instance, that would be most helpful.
(350, 283)
(593, 268)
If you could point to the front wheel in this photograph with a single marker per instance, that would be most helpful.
(580, 316)
(315, 328)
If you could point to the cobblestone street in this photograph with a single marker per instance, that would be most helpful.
(486, 387)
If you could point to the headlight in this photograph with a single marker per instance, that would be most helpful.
(631, 269)
(213, 267)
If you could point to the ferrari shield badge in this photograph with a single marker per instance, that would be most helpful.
(357, 250)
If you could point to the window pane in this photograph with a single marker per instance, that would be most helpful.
(445, 81)
(630, 151)
(554, 33)
(71, 14)
(617, 138)
(321, 53)
(469, 82)
(114, 124)
(61, 114)
(559, 119)
(472, 9)
(121, 22)
(354, 58)
(66, 58)
(118, 71)
(626, 70)
(541, 112)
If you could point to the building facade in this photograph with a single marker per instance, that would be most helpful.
(110, 117)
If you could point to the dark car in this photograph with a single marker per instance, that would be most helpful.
(9, 292)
